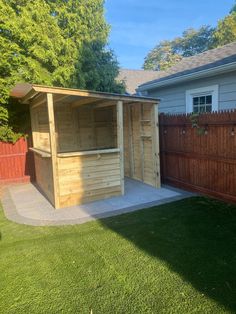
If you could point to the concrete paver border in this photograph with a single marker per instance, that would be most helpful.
(12, 214)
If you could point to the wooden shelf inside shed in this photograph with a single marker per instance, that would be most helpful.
(40, 152)
(145, 121)
(91, 152)
(146, 137)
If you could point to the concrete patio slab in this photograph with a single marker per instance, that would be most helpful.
(23, 203)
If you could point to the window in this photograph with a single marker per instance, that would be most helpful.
(202, 104)
(202, 99)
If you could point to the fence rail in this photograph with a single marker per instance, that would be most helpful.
(16, 162)
(199, 153)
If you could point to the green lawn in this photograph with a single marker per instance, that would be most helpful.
(175, 258)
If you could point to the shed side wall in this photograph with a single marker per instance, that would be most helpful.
(40, 128)
(43, 169)
(88, 178)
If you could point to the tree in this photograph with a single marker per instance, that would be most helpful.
(226, 30)
(193, 41)
(47, 42)
(33, 46)
(167, 53)
(161, 57)
(233, 8)
(100, 67)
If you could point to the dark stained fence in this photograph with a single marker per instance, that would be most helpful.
(16, 162)
(200, 158)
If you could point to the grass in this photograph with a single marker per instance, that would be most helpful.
(175, 258)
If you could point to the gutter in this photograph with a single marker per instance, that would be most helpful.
(204, 73)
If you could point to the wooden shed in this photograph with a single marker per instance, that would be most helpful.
(85, 142)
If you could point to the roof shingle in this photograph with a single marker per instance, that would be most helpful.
(203, 61)
(134, 78)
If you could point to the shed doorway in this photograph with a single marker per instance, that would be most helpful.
(141, 138)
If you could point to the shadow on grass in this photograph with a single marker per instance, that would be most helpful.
(196, 237)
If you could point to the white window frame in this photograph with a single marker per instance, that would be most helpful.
(203, 91)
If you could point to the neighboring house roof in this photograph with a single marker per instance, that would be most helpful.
(134, 78)
(204, 64)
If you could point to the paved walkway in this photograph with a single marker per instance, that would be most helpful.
(24, 204)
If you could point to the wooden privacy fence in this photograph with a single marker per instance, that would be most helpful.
(200, 153)
(16, 162)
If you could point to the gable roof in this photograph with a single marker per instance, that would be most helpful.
(203, 64)
(134, 78)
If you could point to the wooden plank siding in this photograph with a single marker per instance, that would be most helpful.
(85, 127)
(141, 149)
(200, 159)
(16, 162)
(40, 127)
(44, 177)
(88, 178)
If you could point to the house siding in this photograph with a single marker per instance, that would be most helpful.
(173, 98)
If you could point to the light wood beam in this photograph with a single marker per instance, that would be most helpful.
(53, 146)
(26, 98)
(83, 101)
(59, 98)
(131, 147)
(95, 95)
(120, 141)
(34, 127)
(39, 100)
(103, 104)
(155, 144)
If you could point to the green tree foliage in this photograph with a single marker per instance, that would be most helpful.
(100, 68)
(226, 30)
(51, 42)
(233, 8)
(193, 41)
(167, 53)
(161, 57)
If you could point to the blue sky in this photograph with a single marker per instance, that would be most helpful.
(138, 25)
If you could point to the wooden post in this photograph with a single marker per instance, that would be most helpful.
(120, 142)
(155, 144)
(34, 127)
(131, 151)
(53, 147)
(141, 139)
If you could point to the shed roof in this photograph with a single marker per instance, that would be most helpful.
(204, 63)
(26, 92)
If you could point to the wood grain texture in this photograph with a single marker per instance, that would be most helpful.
(205, 161)
(85, 128)
(40, 127)
(140, 143)
(120, 143)
(53, 148)
(16, 162)
(44, 176)
(87, 178)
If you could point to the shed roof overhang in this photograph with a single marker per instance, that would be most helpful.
(26, 93)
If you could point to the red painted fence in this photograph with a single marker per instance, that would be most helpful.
(16, 162)
(203, 158)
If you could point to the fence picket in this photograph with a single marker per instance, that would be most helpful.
(201, 159)
(16, 162)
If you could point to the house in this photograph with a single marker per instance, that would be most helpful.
(134, 78)
(202, 83)
(85, 142)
